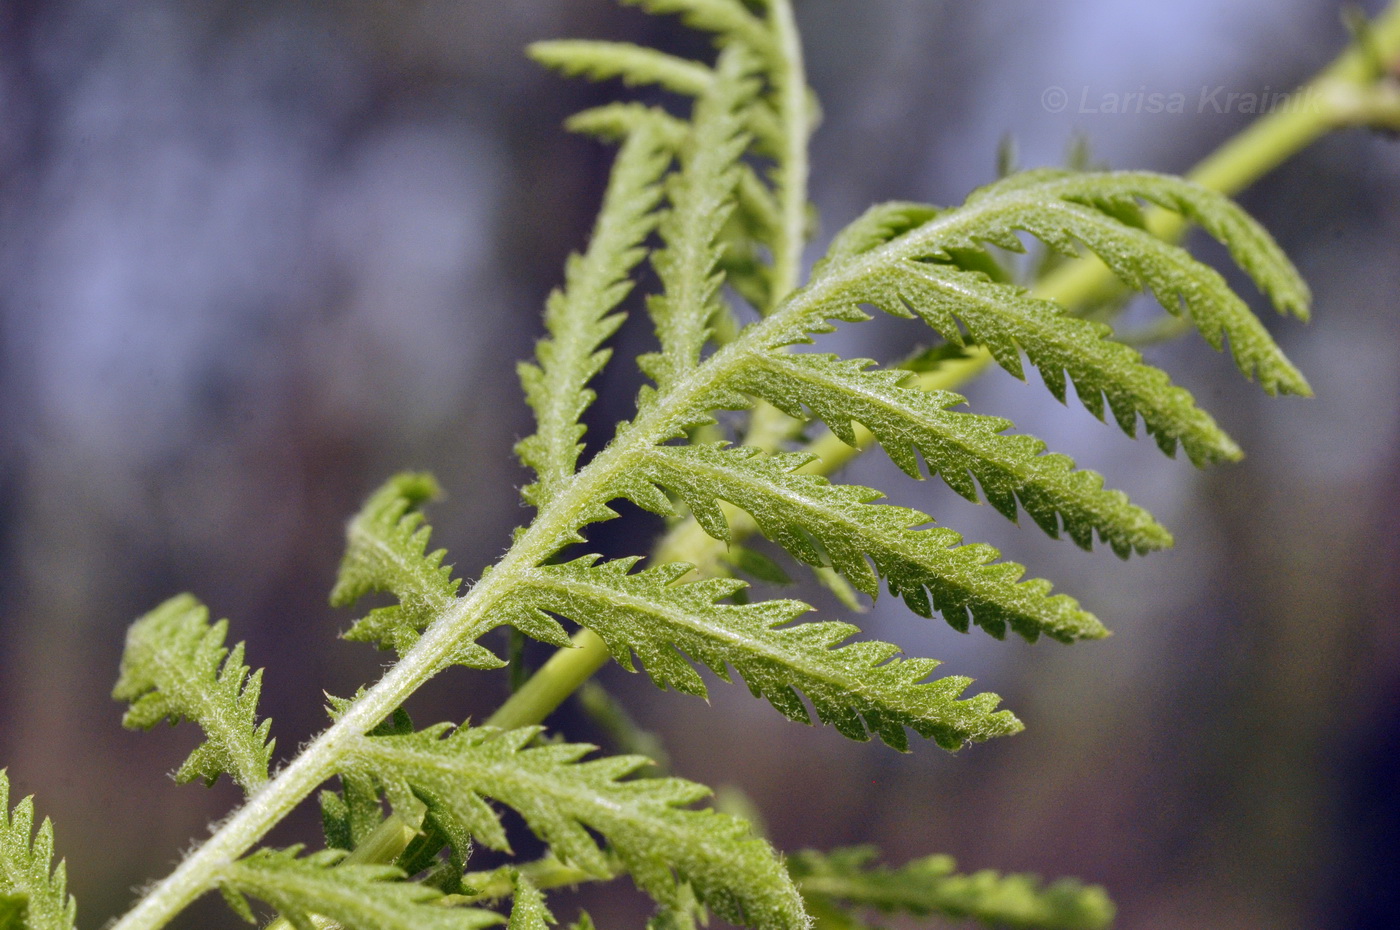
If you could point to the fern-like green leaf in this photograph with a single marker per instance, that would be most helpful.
(702, 198)
(614, 122)
(1062, 208)
(847, 879)
(756, 222)
(1249, 244)
(927, 267)
(356, 897)
(873, 228)
(960, 447)
(33, 891)
(176, 667)
(858, 688)
(386, 550)
(561, 799)
(1007, 320)
(823, 523)
(634, 64)
(579, 318)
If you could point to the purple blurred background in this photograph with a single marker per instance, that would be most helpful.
(257, 256)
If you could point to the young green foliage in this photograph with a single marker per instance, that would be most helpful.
(645, 821)
(33, 891)
(840, 884)
(357, 897)
(822, 523)
(175, 667)
(716, 203)
(966, 450)
(859, 688)
(634, 64)
(701, 196)
(579, 317)
(925, 270)
(386, 550)
(730, 20)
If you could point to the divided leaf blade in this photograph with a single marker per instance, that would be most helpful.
(386, 550)
(860, 688)
(823, 523)
(701, 194)
(645, 820)
(848, 879)
(33, 891)
(357, 897)
(960, 447)
(175, 667)
(580, 317)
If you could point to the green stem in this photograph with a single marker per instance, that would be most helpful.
(384, 844)
(549, 687)
(268, 806)
(466, 620)
(498, 883)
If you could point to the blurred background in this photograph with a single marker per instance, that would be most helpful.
(256, 256)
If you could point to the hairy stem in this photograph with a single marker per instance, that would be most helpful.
(466, 620)
(199, 872)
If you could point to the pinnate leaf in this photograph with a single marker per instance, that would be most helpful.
(634, 64)
(357, 897)
(847, 880)
(176, 667)
(937, 270)
(960, 447)
(701, 194)
(579, 317)
(33, 891)
(729, 19)
(860, 688)
(386, 550)
(644, 820)
(823, 523)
